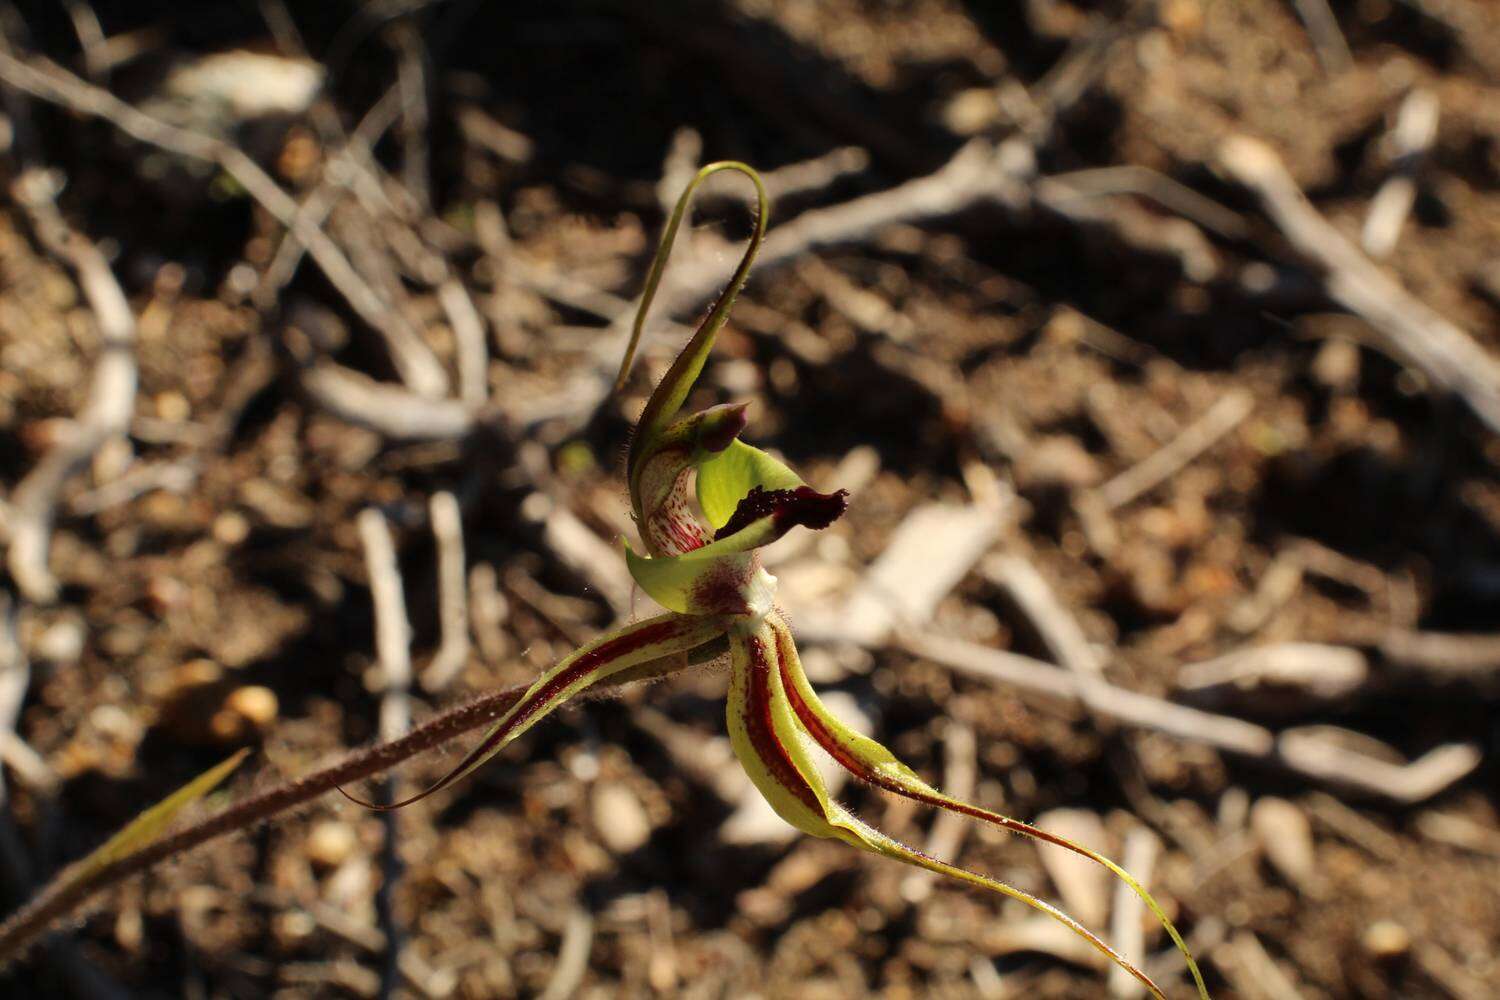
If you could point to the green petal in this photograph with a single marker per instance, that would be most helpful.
(716, 579)
(726, 478)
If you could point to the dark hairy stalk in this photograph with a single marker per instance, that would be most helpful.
(62, 897)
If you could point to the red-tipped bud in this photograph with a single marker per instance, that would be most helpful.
(719, 425)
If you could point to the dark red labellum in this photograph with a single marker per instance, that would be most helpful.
(803, 506)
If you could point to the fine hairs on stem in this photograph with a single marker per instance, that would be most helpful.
(66, 893)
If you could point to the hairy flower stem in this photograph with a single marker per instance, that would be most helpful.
(63, 896)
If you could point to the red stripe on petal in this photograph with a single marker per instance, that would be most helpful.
(534, 701)
(862, 769)
(762, 732)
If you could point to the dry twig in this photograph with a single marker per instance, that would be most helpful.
(1323, 29)
(572, 956)
(468, 335)
(59, 899)
(453, 594)
(43, 79)
(1221, 418)
(929, 554)
(1403, 326)
(1059, 630)
(411, 77)
(1444, 655)
(1413, 134)
(33, 505)
(393, 653)
(388, 409)
(1310, 754)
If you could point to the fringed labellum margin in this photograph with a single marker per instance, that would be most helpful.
(706, 572)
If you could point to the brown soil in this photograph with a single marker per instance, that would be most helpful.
(970, 352)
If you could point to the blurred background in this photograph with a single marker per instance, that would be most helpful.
(1155, 342)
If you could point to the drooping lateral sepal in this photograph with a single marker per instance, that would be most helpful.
(870, 761)
(773, 745)
(635, 646)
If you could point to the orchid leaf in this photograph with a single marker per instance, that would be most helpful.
(148, 826)
(728, 477)
(632, 646)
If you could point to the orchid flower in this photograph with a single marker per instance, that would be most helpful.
(702, 563)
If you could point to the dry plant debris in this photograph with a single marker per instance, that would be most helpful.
(1168, 325)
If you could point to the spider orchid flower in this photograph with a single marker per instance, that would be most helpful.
(701, 562)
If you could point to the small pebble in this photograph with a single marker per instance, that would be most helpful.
(62, 642)
(172, 406)
(330, 843)
(231, 527)
(619, 817)
(257, 704)
(196, 673)
(1386, 939)
(1336, 364)
(245, 711)
(971, 111)
(293, 927)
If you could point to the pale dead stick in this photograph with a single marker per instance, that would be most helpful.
(1224, 416)
(1256, 973)
(1327, 38)
(1444, 656)
(1170, 194)
(43, 79)
(389, 410)
(393, 655)
(1060, 632)
(411, 77)
(1409, 140)
(1126, 929)
(1403, 326)
(1303, 753)
(453, 594)
(468, 335)
(572, 956)
(15, 678)
(111, 401)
